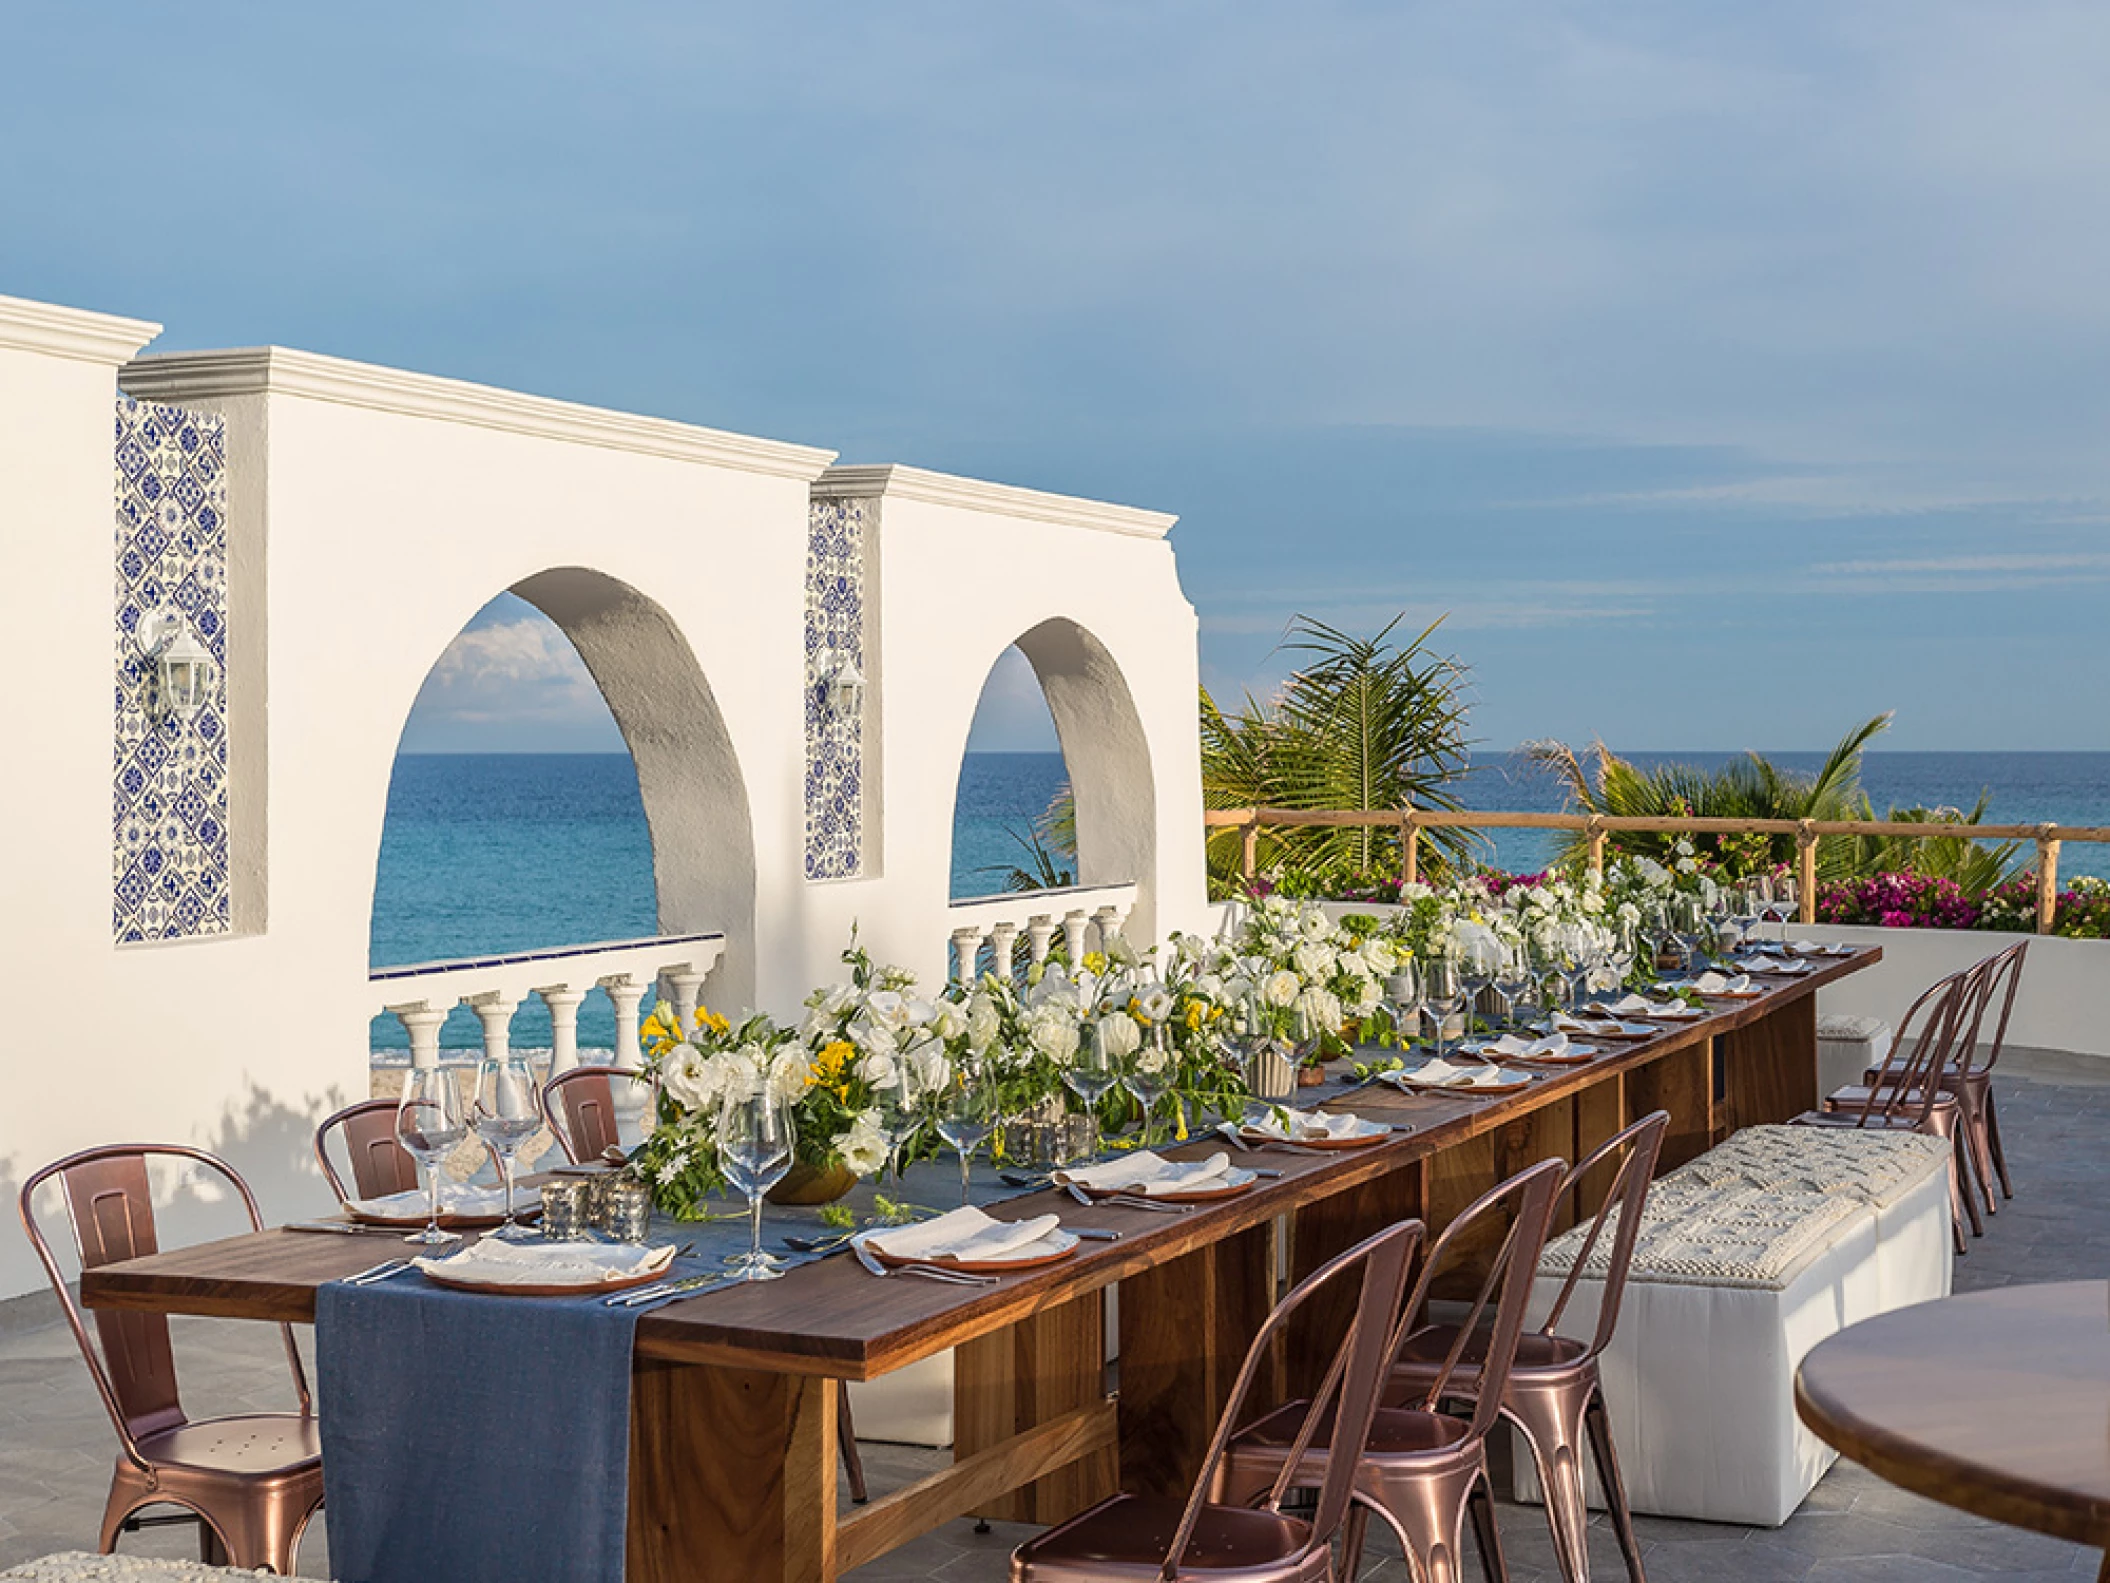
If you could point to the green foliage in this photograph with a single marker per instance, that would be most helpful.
(1973, 865)
(1368, 723)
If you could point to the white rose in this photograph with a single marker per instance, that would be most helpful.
(985, 1020)
(1367, 997)
(949, 1020)
(681, 1075)
(1153, 1060)
(723, 1075)
(863, 1147)
(1280, 988)
(928, 1069)
(1118, 1035)
(1052, 1030)
(1378, 956)
(789, 1075)
(1314, 959)
(877, 1068)
(886, 1009)
(1210, 987)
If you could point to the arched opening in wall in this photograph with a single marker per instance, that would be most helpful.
(563, 780)
(1057, 752)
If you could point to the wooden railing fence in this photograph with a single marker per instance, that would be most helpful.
(1410, 822)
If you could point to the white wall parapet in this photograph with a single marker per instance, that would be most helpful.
(420, 995)
(1087, 916)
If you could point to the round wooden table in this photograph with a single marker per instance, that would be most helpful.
(1997, 1403)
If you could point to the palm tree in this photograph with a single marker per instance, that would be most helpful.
(1369, 724)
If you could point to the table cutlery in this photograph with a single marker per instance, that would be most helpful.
(1093, 1233)
(690, 1286)
(1128, 1201)
(379, 1272)
(933, 1272)
(1024, 1179)
(343, 1228)
(817, 1244)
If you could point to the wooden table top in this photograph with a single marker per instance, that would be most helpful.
(1996, 1402)
(830, 1318)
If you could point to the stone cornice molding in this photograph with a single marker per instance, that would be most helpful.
(71, 332)
(894, 482)
(281, 371)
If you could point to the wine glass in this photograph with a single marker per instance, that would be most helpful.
(508, 1113)
(1403, 990)
(1476, 971)
(1147, 1075)
(1688, 920)
(1513, 979)
(1089, 1075)
(900, 1113)
(755, 1139)
(1787, 902)
(430, 1125)
(1443, 992)
(969, 1116)
(1619, 952)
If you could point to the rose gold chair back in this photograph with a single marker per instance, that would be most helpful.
(1130, 1537)
(380, 1165)
(579, 1106)
(1554, 1395)
(252, 1480)
(1421, 1469)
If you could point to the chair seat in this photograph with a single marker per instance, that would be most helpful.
(1396, 1431)
(1857, 1098)
(1126, 1536)
(1845, 1118)
(1422, 1353)
(250, 1445)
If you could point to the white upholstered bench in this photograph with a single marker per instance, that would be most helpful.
(1847, 1046)
(1747, 1258)
(75, 1566)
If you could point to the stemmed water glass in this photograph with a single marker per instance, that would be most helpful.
(900, 1113)
(1443, 992)
(755, 1140)
(508, 1112)
(1147, 1075)
(1513, 979)
(1787, 902)
(430, 1125)
(1089, 1076)
(1403, 991)
(969, 1116)
(1619, 952)
(1476, 971)
(1688, 924)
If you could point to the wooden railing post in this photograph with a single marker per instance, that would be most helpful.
(1249, 849)
(1806, 871)
(1597, 845)
(1409, 849)
(2047, 878)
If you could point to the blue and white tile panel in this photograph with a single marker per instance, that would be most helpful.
(835, 559)
(168, 849)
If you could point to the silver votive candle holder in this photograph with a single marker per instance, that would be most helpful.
(564, 1208)
(629, 1213)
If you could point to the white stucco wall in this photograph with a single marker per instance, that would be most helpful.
(372, 514)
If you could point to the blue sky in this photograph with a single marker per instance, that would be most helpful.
(1727, 372)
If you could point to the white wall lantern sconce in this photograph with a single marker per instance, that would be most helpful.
(841, 684)
(182, 670)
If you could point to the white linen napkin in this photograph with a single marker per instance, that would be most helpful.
(1640, 1006)
(549, 1264)
(1148, 1172)
(1814, 948)
(1300, 1126)
(1442, 1074)
(1600, 1027)
(456, 1198)
(1715, 984)
(965, 1234)
(1527, 1049)
(1780, 966)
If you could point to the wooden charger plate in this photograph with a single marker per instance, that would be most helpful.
(1003, 1266)
(1363, 1142)
(1199, 1195)
(553, 1289)
(448, 1222)
(1523, 1080)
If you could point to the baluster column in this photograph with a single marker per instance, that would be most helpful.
(494, 1008)
(1003, 940)
(966, 947)
(422, 1023)
(1073, 926)
(1040, 932)
(1108, 920)
(563, 1002)
(626, 992)
(687, 985)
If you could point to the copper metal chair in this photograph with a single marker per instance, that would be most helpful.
(1970, 1078)
(1423, 1470)
(1134, 1538)
(579, 1107)
(1554, 1395)
(380, 1165)
(252, 1480)
(1909, 1097)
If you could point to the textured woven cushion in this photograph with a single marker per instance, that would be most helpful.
(1842, 1027)
(1878, 1168)
(74, 1567)
(1697, 1233)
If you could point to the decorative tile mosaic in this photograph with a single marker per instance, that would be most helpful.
(168, 849)
(835, 556)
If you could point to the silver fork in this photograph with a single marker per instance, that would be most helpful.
(379, 1272)
(870, 1261)
(1127, 1201)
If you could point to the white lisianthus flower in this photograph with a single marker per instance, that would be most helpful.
(1054, 985)
(863, 1147)
(1313, 923)
(1313, 958)
(1118, 1035)
(888, 1009)
(790, 1075)
(985, 1020)
(1152, 1061)
(928, 1069)
(1319, 1012)
(1154, 1001)
(877, 1067)
(948, 1020)
(1280, 988)
(722, 1075)
(1211, 988)
(1051, 1029)
(682, 1076)
(1378, 956)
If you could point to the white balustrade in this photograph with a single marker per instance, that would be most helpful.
(1087, 918)
(421, 996)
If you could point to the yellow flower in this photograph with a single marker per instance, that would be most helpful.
(831, 1067)
(709, 1019)
(1095, 961)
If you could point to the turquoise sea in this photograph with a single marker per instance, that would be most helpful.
(503, 852)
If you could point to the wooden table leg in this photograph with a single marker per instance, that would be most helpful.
(1457, 1176)
(1185, 1328)
(1771, 1066)
(732, 1475)
(1681, 1081)
(1318, 1231)
(1048, 1364)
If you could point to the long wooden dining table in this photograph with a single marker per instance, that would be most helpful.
(733, 1414)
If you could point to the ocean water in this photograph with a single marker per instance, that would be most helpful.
(502, 852)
